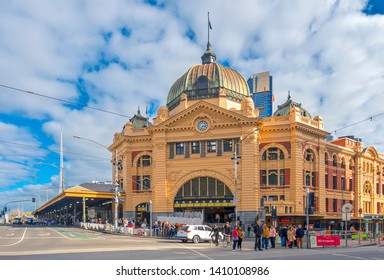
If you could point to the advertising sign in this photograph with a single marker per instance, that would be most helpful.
(326, 241)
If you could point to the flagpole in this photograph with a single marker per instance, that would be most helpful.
(208, 28)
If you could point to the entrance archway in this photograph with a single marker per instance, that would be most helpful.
(206, 194)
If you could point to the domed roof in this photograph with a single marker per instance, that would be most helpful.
(206, 80)
(283, 109)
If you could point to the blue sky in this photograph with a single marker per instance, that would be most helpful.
(120, 54)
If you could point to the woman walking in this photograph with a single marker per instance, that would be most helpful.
(241, 236)
(272, 236)
(291, 237)
(235, 238)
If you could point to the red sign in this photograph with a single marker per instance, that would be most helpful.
(328, 241)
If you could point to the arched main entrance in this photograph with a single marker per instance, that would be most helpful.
(206, 194)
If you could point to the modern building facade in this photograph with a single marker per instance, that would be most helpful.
(184, 160)
(260, 85)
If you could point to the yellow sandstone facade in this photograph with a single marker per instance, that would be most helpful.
(184, 160)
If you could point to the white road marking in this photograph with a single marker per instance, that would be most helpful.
(17, 241)
(44, 234)
(60, 233)
(349, 256)
(12, 234)
(205, 256)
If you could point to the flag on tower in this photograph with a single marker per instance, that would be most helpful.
(209, 23)
(273, 98)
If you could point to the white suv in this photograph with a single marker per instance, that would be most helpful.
(195, 233)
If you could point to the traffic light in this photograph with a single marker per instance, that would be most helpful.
(274, 212)
(33, 199)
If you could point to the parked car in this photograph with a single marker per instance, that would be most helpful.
(31, 221)
(195, 233)
(17, 221)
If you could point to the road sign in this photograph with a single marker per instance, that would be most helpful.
(347, 208)
(346, 216)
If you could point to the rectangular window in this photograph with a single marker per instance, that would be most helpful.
(377, 188)
(146, 182)
(307, 178)
(263, 177)
(342, 183)
(211, 146)
(334, 208)
(282, 197)
(334, 182)
(313, 179)
(138, 183)
(272, 177)
(351, 184)
(272, 198)
(326, 181)
(382, 189)
(179, 148)
(282, 177)
(195, 147)
(227, 145)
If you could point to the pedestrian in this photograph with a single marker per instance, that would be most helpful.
(265, 236)
(299, 236)
(241, 236)
(249, 230)
(290, 237)
(214, 234)
(272, 235)
(235, 238)
(283, 235)
(258, 232)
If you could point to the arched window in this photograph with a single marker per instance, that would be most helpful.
(342, 163)
(143, 173)
(144, 161)
(204, 187)
(273, 154)
(309, 155)
(334, 160)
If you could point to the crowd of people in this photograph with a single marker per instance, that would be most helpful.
(265, 236)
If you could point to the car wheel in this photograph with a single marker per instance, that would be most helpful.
(196, 239)
(184, 240)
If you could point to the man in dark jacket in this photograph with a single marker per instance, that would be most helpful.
(283, 235)
(258, 231)
(299, 236)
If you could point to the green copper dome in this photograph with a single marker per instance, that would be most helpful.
(283, 109)
(207, 80)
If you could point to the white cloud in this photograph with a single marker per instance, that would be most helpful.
(327, 53)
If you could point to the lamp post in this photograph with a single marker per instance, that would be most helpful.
(235, 159)
(307, 214)
(150, 217)
(116, 190)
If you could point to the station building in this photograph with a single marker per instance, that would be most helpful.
(210, 150)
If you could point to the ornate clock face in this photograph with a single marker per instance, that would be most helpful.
(202, 125)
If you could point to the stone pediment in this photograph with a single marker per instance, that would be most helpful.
(215, 115)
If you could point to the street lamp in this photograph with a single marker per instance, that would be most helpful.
(150, 217)
(116, 192)
(235, 159)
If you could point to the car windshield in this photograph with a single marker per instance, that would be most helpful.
(184, 227)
